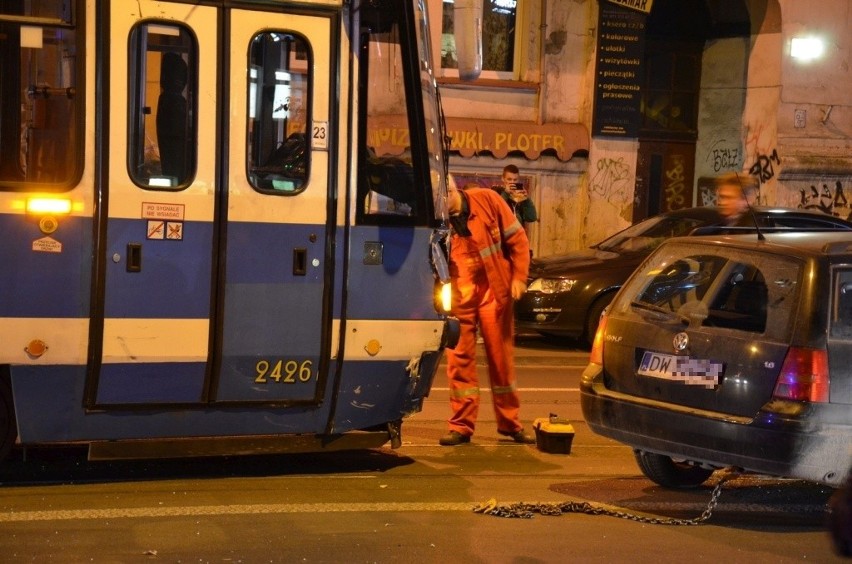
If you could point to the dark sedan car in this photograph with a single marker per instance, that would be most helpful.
(730, 351)
(567, 293)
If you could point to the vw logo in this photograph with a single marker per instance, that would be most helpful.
(680, 341)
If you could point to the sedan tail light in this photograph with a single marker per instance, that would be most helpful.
(804, 376)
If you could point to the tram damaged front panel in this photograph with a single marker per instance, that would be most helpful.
(394, 335)
(215, 266)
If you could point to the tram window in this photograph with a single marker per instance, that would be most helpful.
(162, 106)
(40, 98)
(387, 190)
(278, 95)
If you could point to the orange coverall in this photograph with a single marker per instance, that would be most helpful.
(482, 267)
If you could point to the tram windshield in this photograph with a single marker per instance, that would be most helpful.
(431, 113)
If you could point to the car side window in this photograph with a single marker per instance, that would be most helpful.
(841, 307)
(805, 223)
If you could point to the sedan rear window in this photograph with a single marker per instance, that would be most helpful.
(649, 234)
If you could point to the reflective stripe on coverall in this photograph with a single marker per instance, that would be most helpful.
(482, 278)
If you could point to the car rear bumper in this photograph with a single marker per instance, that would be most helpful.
(794, 442)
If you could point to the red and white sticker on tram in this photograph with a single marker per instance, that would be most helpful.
(165, 221)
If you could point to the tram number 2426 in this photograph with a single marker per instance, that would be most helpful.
(284, 371)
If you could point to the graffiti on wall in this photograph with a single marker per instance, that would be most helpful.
(759, 145)
(611, 179)
(676, 194)
(830, 200)
(764, 166)
(725, 158)
(609, 197)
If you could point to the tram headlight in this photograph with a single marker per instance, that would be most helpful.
(443, 296)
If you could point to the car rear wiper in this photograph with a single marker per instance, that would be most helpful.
(662, 313)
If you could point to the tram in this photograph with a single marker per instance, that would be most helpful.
(205, 247)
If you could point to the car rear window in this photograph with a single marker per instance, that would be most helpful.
(722, 288)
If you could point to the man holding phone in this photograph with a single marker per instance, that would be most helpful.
(516, 195)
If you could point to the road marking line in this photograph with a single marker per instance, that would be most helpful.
(280, 508)
(144, 512)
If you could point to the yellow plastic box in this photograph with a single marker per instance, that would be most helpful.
(553, 435)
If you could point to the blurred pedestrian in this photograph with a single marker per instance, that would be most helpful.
(489, 263)
(733, 192)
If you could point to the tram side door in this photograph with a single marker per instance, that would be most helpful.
(277, 208)
(214, 226)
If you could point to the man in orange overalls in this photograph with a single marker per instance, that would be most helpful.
(489, 262)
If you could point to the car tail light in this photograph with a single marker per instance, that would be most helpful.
(597, 345)
(804, 376)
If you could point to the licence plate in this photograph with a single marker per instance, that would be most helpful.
(691, 371)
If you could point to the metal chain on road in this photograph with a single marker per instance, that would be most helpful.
(527, 510)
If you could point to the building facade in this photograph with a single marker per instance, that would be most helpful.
(615, 110)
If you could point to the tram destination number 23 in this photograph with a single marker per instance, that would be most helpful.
(285, 371)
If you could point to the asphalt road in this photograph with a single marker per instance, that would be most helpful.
(413, 504)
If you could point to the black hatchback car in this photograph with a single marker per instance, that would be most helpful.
(730, 351)
(567, 293)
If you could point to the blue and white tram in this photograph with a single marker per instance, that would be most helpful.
(206, 247)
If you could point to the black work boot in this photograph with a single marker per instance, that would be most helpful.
(454, 438)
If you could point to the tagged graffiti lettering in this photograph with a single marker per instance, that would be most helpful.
(725, 159)
(825, 200)
(764, 167)
(675, 184)
(611, 177)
